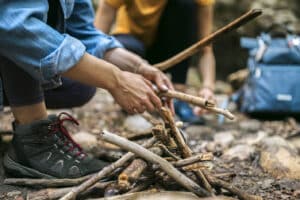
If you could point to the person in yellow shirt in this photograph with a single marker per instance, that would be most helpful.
(158, 29)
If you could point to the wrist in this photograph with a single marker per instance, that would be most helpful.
(209, 87)
(114, 79)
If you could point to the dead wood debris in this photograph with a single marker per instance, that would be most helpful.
(165, 157)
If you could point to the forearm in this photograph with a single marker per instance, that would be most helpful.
(105, 16)
(207, 68)
(207, 59)
(124, 59)
(95, 72)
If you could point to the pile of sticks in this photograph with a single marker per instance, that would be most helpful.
(165, 158)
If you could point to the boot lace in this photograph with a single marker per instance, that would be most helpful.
(58, 126)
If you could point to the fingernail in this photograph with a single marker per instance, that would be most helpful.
(164, 87)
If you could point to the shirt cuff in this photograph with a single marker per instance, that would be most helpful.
(62, 59)
(106, 43)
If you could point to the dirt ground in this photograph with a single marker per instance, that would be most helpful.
(238, 147)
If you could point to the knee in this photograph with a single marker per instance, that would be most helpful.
(85, 95)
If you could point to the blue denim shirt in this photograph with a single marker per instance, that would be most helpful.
(40, 50)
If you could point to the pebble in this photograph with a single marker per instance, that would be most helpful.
(250, 126)
(224, 138)
(241, 152)
(137, 124)
(86, 140)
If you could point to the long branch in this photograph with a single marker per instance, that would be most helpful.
(250, 15)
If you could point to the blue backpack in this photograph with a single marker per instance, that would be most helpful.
(274, 78)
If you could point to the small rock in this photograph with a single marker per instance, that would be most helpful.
(295, 141)
(224, 138)
(254, 139)
(279, 158)
(13, 193)
(241, 152)
(267, 183)
(137, 124)
(250, 125)
(86, 140)
(296, 193)
(199, 132)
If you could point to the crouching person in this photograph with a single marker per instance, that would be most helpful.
(52, 56)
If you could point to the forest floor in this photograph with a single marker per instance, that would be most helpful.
(263, 155)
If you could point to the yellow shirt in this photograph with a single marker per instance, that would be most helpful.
(141, 17)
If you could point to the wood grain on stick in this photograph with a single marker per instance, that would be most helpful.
(197, 101)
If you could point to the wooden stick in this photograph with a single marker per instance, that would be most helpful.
(104, 172)
(184, 148)
(168, 152)
(55, 193)
(234, 190)
(197, 166)
(194, 159)
(137, 136)
(155, 159)
(131, 173)
(45, 182)
(167, 116)
(198, 101)
(160, 132)
(250, 15)
(141, 186)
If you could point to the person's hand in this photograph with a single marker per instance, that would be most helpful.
(134, 93)
(207, 94)
(159, 79)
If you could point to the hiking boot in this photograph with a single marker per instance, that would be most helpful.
(45, 149)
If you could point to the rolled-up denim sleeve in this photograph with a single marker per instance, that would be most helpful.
(81, 25)
(28, 41)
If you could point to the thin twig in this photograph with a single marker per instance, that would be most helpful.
(55, 193)
(194, 159)
(45, 182)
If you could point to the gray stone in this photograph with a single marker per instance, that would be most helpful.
(137, 124)
(240, 152)
(86, 140)
(279, 158)
(250, 126)
(224, 138)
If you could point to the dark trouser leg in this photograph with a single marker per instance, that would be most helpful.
(177, 30)
(131, 43)
(69, 94)
(21, 89)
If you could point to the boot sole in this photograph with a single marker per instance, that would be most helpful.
(16, 169)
